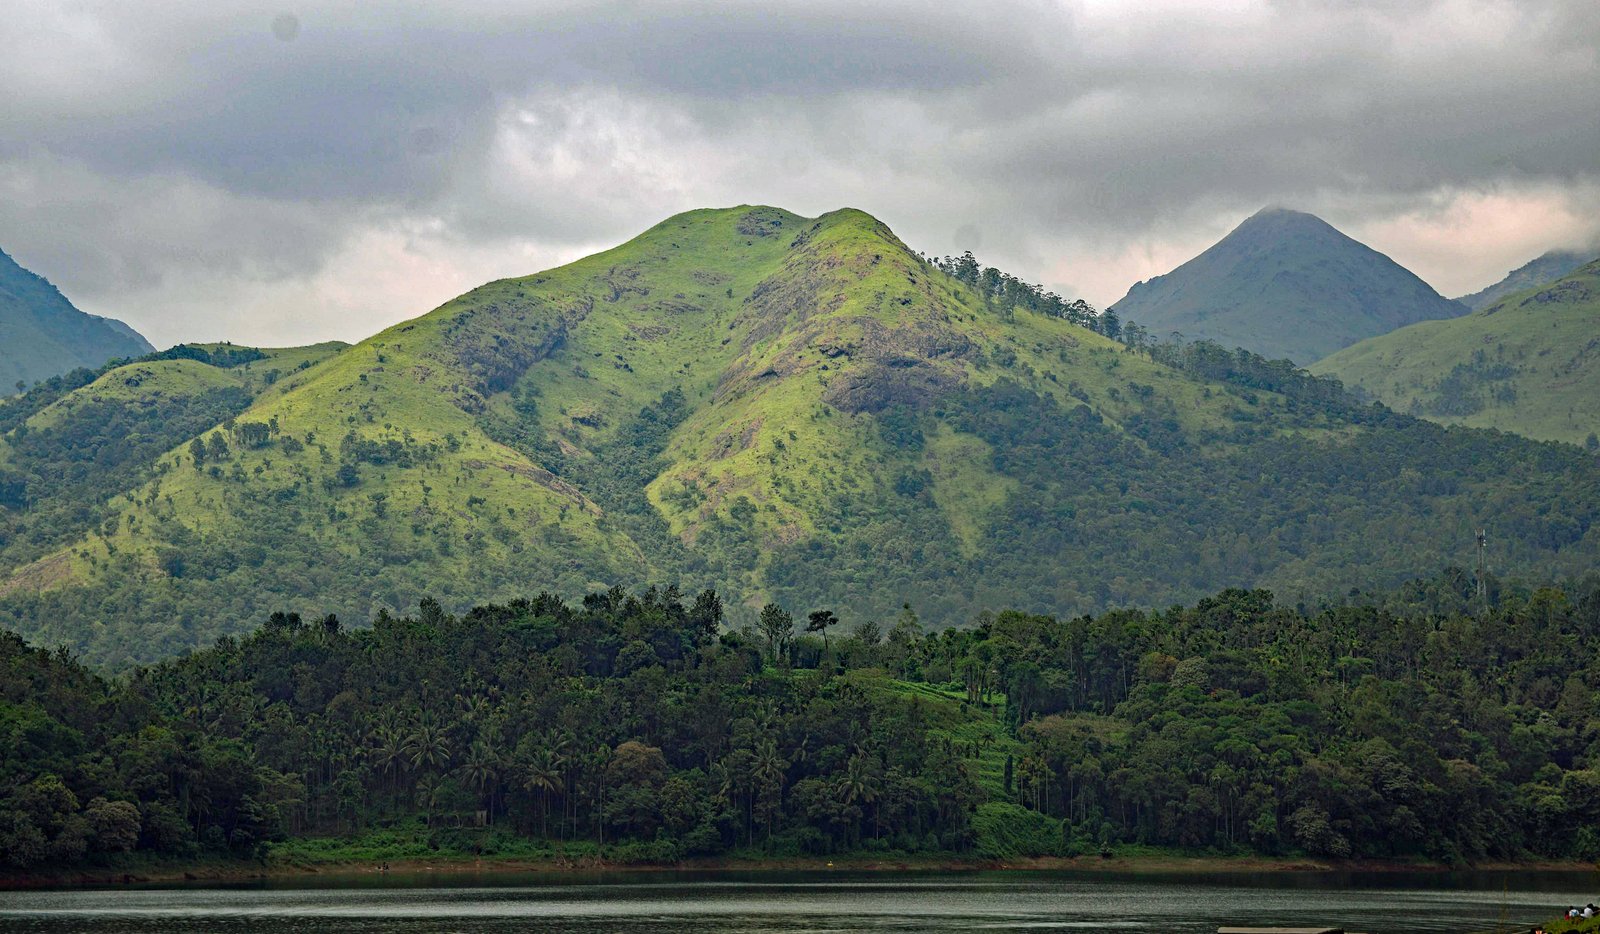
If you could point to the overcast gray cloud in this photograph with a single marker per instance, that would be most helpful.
(303, 170)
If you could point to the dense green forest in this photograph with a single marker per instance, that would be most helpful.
(1425, 723)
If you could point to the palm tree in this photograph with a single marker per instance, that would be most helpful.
(770, 767)
(727, 782)
(769, 771)
(387, 749)
(860, 781)
(543, 774)
(1033, 779)
(430, 794)
(561, 744)
(481, 768)
(474, 706)
(428, 747)
(741, 769)
(600, 759)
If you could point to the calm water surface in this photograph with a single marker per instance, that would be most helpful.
(813, 903)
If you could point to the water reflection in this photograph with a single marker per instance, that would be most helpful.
(811, 903)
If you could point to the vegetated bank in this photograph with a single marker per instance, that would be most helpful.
(1427, 726)
(1565, 925)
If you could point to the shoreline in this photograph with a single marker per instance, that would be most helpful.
(224, 872)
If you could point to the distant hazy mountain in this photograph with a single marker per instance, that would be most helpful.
(1285, 284)
(1529, 363)
(1547, 268)
(42, 334)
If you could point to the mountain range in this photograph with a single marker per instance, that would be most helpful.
(785, 408)
(1527, 363)
(43, 335)
(1541, 270)
(1284, 284)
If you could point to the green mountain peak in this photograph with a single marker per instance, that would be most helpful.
(1547, 267)
(781, 407)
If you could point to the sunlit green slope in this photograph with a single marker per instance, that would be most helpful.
(1529, 363)
(779, 407)
(75, 441)
(148, 383)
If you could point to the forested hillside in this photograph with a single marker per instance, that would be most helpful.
(43, 335)
(1529, 363)
(783, 408)
(1429, 723)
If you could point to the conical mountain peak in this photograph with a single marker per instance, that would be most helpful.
(1285, 283)
(1281, 212)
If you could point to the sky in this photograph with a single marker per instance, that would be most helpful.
(287, 172)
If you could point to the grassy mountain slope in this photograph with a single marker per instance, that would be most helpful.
(147, 383)
(780, 407)
(1285, 285)
(1529, 363)
(42, 334)
(1547, 268)
(70, 444)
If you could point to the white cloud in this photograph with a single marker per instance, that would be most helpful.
(1465, 240)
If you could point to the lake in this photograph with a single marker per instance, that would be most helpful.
(816, 903)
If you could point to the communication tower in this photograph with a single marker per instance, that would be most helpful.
(1483, 545)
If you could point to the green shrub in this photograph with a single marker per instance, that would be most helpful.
(1008, 830)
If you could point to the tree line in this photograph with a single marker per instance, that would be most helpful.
(1425, 723)
(1007, 292)
(1206, 359)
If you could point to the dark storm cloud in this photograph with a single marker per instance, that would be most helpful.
(342, 110)
(253, 147)
(1332, 102)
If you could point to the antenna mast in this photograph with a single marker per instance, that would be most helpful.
(1483, 544)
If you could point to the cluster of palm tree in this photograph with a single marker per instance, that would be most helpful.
(417, 748)
(1033, 781)
(860, 783)
(544, 772)
(753, 782)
